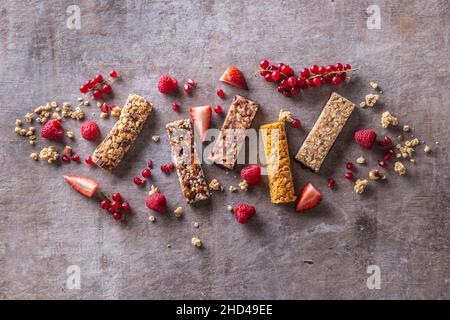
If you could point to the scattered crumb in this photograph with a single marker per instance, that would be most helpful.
(116, 112)
(406, 128)
(169, 245)
(34, 156)
(152, 219)
(178, 212)
(229, 208)
(360, 185)
(196, 242)
(232, 189)
(32, 142)
(374, 85)
(215, 185)
(285, 116)
(374, 174)
(401, 138)
(99, 104)
(427, 149)
(243, 185)
(362, 104)
(104, 115)
(413, 161)
(153, 190)
(388, 120)
(399, 168)
(196, 225)
(86, 103)
(70, 134)
(361, 160)
(155, 138)
(67, 150)
(18, 123)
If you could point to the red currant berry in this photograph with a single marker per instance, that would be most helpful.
(347, 67)
(301, 82)
(336, 80)
(292, 81)
(314, 69)
(98, 79)
(89, 160)
(65, 158)
(125, 206)
(272, 68)
(331, 183)
(138, 181)
(338, 66)
(171, 166)
(280, 89)
(264, 73)
(107, 89)
(343, 76)
(97, 94)
(104, 108)
(383, 164)
(329, 68)
(317, 82)
(116, 197)
(105, 204)
(111, 107)
(117, 216)
(387, 157)
(116, 205)
(111, 210)
(295, 90)
(175, 107)
(284, 84)
(276, 75)
(349, 176)
(305, 73)
(146, 173)
(187, 88)
(309, 83)
(191, 83)
(84, 89)
(264, 64)
(287, 93)
(164, 168)
(218, 109)
(267, 77)
(349, 165)
(90, 84)
(279, 66)
(296, 123)
(391, 151)
(149, 163)
(321, 70)
(113, 74)
(287, 70)
(76, 158)
(220, 93)
(387, 141)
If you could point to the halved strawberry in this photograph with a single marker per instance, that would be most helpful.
(87, 187)
(235, 77)
(201, 116)
(310, 198)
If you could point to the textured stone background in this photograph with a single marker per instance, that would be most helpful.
(400, 225)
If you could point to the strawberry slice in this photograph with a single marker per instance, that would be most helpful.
(234, 77)
(87, 187)
(201, 116)
(310, 198)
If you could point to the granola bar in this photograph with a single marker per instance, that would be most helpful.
(232, 134)
(190, 173)
(323, 135)
(112, 149)
(278, 163)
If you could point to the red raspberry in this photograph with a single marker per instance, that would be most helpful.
(157, 202)
(366, 138)
(244, 212)
(89, 130)
(251, 174)
(52, 130)
(166, 84)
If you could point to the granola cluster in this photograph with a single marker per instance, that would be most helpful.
(215, 185)
(399, 168)
(49, 153)
(360, 185)
(388, 120)
(370, 100)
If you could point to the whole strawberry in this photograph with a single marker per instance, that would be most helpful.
(244, 212)
(366, 138)
(166, 84)
(157, 202)
(52, 130)
(89, 130)
(251, 174)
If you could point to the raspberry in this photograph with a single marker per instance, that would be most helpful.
(366, 138)
(157, 202)
(251, 174)
(166, 84)
(89, 130)
(244, 212)
(52, 130)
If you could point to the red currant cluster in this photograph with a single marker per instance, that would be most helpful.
(289, 84)
(99, 85)
(146, 173)
(165, 168)
(115, 205)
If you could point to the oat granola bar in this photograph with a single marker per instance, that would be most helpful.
(232, 134)
(323, 135)
(112, 149)
(281, 184)
(190, 173)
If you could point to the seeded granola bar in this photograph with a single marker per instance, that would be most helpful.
(112, 149)
(190, 173)
(323, 135)
(232, 134)
(281, 184)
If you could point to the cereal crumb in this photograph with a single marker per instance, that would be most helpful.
(361, 160)
(243, 185)
(155, 138)
(29, 117)
(178, 212)
(152, 219)
(229, 208)
(285, 116)
(427, 149)
(374, 85)
(70, 134)
(196, 242)
(86, 103)
(18, 123)
(215, 185)
(360, 185)
(34, 156)
(116, 112)
(362, 104)
(77, 114)
(399, 168)
(388, 120)
(153, 190)
(196, 225)
(32, 142)
(232, 189)
(104, 115)
(406, 128)
(374, 174)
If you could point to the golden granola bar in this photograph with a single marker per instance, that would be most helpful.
(323, 135)
(232, 134)
(281, 184)
(113, 148)
(190, 173)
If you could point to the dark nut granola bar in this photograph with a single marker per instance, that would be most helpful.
(112, 149)
(190, 173)
(323, 135)
(232, 134)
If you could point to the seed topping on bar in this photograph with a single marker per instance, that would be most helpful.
(190, 173)
(232, 134)
(278, 163)
(112, 149)
(323, 135)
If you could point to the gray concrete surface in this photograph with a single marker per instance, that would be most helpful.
(400, 225)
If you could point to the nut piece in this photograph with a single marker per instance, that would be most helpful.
(155, 138)
(361, 160)
(399, 168)
(427, 149)
(215, 185)
(153, 190)
(388, 120)
(360, 185)
(232, 189)
(34, 156)
(178, 212)
(243, 185)
(70, 134)
(196, 242)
